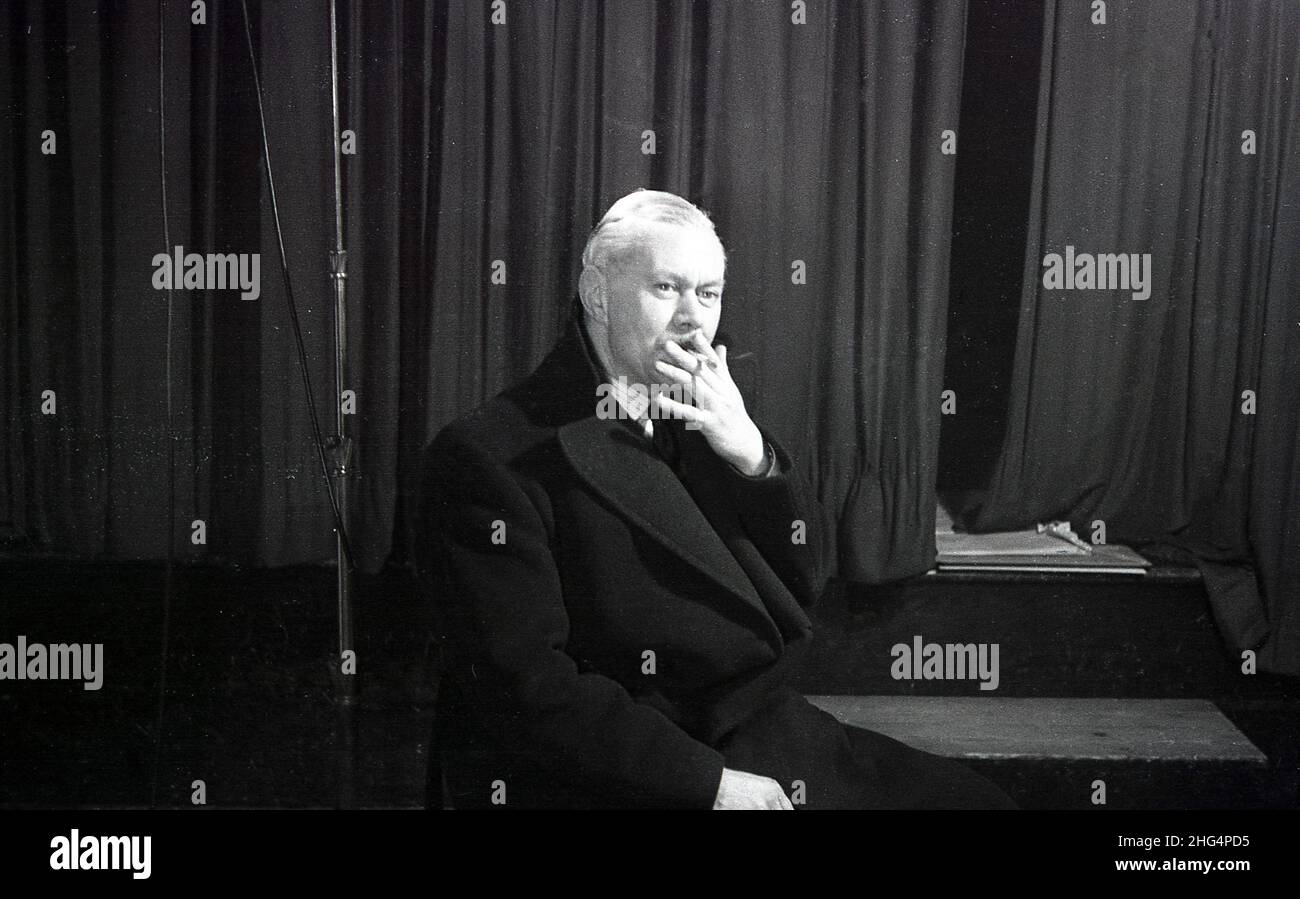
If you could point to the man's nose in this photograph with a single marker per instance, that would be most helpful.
(690, 310)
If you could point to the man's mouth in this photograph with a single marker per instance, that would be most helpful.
(686, 341)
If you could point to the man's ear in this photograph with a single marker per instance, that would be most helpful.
(592, 292)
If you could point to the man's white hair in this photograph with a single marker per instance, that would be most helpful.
(618, 230)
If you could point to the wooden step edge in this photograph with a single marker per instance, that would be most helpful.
(1190, 731)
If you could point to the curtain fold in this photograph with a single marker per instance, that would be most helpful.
(482, 150)
(1169, 421)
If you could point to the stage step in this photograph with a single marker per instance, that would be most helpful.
(1151, 637)
(1009, 728)
(1054, 753)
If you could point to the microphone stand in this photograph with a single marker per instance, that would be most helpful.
(334, 454)
(339, 447)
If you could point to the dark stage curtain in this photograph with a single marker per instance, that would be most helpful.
(815, 146)
(1134, 412)
(79, 229)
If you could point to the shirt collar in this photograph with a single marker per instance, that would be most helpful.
(634, 403)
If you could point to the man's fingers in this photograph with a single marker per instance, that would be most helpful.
(705, 349)
(743, 789)
(675, 409)
(683, 373)
(676, 372)
(779, 799)
(696, 386)
(779, 802)
(682, 357)
(704, 369)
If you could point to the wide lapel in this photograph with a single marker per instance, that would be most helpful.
(704, 474)
(631, 477)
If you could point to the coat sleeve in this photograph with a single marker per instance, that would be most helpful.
(780, 514)
(501, 620)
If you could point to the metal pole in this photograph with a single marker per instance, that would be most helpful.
(341, 451)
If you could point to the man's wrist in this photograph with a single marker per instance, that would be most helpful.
(765, 468)
(752, 460)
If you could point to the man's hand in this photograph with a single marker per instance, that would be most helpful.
(718, 410)
(742, 790)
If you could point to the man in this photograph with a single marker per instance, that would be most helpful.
(619, 586)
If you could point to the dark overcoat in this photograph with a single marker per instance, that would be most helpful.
(615, 626)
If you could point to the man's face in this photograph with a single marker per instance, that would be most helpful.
(665, 288)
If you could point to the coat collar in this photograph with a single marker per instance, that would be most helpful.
(621, 466)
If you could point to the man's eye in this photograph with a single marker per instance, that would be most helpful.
(664, 286)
